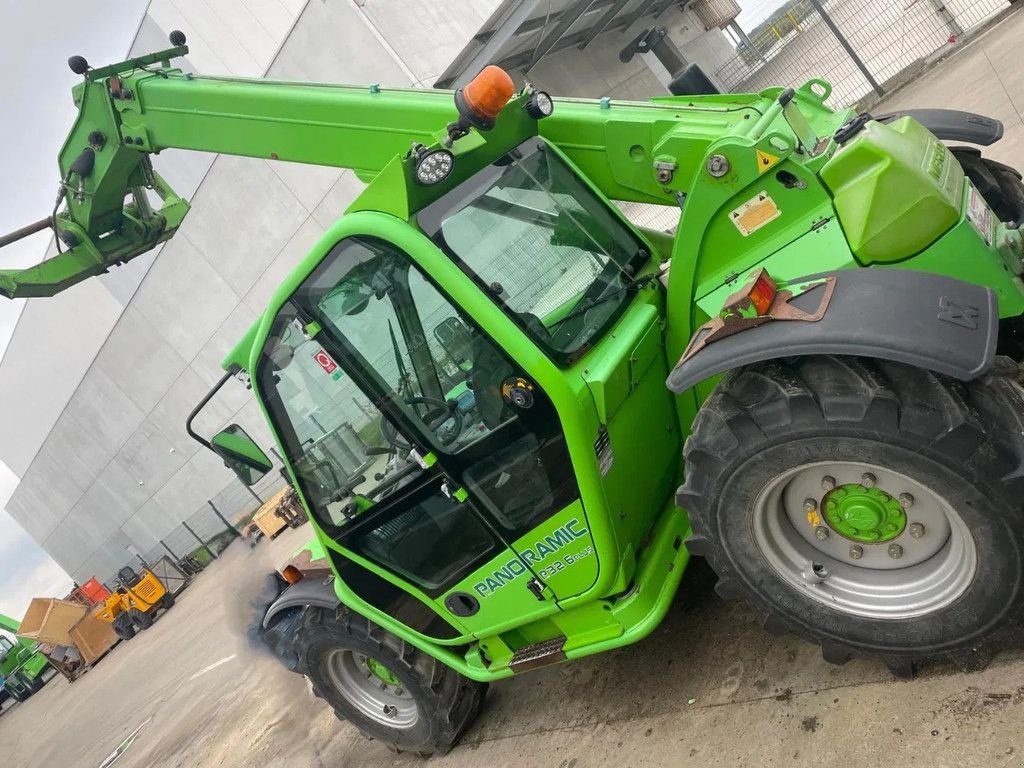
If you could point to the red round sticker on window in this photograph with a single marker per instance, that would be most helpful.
(325, 361)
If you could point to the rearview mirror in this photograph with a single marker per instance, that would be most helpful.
(241, 454)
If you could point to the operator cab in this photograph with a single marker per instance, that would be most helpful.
(430, 454)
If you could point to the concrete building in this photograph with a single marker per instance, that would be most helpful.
(97, 383)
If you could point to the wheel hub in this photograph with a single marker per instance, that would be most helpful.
(380, 671)
(857, 549)
(372, 688)
(864, 515)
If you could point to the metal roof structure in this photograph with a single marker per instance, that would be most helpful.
(522, 32)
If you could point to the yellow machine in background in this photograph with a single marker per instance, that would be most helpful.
(134, 603)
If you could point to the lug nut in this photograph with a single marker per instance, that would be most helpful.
(810, 505)
(856, 552)
(828, 483)
(868, 480)
(895, 551)
(821, 533)
(906, 500)
(916, 530)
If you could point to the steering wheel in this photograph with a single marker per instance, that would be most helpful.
(440, 413)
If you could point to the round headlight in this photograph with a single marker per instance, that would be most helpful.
(539, 105)
(434, 167)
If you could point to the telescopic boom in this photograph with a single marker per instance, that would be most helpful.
(129, 111)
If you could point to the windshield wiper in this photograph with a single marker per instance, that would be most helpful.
(404, 380)
(634, 284)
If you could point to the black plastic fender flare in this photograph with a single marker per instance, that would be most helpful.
(308, 592)
(918, 318)
(952, 124)
(279, 614)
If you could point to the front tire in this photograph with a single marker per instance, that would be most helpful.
(387, 688)
(123, 626)
(141, 619)
(787, 458)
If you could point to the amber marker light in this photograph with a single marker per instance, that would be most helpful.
(483, 98)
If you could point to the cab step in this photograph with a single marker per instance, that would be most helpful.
(538, 655)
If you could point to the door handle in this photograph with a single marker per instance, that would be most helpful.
(536, 586)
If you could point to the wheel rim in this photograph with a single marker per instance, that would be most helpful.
(372, 689)
(832, 531)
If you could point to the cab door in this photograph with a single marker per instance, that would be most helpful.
(443, 484)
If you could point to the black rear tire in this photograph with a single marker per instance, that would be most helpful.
(141, 619)
(963, 441)
(999, 184)
(167, 601)
(446, 701)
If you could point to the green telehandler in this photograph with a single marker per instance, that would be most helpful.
(513, 416)
(21, 664)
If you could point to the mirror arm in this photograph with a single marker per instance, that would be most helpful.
(202, 404)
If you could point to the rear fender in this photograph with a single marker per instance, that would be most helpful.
(918, 318)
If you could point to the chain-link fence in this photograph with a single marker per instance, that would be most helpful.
(857, 45)
(207, 532)
(204, 534)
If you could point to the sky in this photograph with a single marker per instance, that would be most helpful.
(36, 115)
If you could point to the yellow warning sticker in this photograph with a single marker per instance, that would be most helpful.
(755, 213)
(766, 161)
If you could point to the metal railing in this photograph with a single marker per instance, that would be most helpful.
(857, 45)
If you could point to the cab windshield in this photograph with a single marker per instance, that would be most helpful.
(550, 251)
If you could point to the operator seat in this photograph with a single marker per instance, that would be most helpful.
(128, 577)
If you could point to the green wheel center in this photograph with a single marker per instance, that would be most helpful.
(868, 515)
(382, 672)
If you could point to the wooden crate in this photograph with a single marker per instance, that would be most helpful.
(267, 519)
(93, 637)
(49, 620)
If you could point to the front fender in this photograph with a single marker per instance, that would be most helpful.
(918, 318)
(279, 614)
(308, 592)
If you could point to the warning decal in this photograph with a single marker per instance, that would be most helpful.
(755, 213)
(766, 161)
